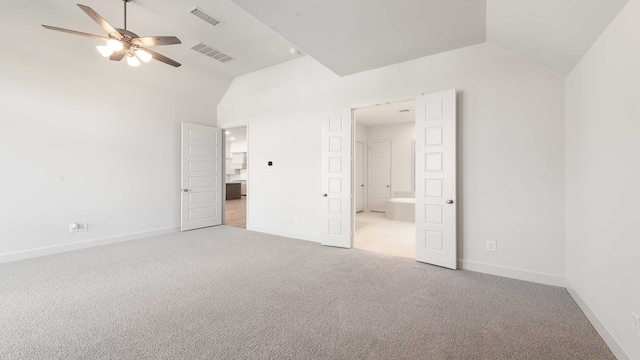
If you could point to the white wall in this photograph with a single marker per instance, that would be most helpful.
(361, 133)
(84, 139)
(400, 136)
(511, 152)
(234, 147)
(603, 177)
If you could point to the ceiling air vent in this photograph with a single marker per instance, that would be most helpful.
(204, 16)
(212, 52)
(404, 110)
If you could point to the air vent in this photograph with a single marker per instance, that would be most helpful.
(404, 110)
(212, 52)
(206, 17)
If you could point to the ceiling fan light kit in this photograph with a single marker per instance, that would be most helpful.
(122, 43)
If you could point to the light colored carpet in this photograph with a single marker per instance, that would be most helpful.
(228, 293)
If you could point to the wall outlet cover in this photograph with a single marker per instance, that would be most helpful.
(83, 226)
(492, 246)
(73, 227)
(635, 324)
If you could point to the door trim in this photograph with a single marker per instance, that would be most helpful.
(353, 140)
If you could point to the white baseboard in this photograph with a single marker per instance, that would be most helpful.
(50, 250)
(618, 350)
(289, 234)
(536, 277)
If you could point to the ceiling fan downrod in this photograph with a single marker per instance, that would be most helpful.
(125, 13)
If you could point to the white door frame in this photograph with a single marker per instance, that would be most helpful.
(224, 171)
(353, 141)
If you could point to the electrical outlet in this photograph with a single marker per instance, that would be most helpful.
(635, 325)
(83, 226)
(492, 246)
(296, 219)
(73, 228)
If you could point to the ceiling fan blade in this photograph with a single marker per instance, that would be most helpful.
(118, 55)
(101, 21)
(162, 58)
(156, 40)
(75, 32)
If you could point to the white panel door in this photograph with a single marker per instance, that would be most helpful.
(336, 179)
(359, 175)
(380, 175)
(436, 241)
(201, 176)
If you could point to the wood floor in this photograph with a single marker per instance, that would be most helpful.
(236, 212)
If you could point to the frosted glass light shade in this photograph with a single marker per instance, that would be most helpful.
(133, 61)
(104, 50)
(143, 55)
(114, 45)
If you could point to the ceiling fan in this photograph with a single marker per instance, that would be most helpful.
(122, 42)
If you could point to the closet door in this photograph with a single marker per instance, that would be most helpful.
(436, 238)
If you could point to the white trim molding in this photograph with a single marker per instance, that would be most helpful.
(616, 347)
(56, 249)
(288, 234)
(520, 274)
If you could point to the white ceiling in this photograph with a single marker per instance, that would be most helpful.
(386, 114)
(553, 33)
(350, 36)
(253, 44)
(347, 36)
(236, 134)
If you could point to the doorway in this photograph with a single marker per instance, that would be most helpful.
(236, 176)
(434, 199)
(386, 223)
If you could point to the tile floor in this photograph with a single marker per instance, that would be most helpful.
(377, 233)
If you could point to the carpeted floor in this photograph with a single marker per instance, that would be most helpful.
(228, 293)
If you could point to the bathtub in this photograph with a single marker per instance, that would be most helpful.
(401, 209)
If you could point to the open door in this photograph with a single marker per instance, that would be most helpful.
(336, 179)
(436, 241)
(201, 203)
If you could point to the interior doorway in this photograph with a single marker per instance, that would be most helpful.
(386, 223)
(236, 176)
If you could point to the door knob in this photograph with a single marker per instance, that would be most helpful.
(185, 190)
(324, 195)
(388, 185)
(449, 201)
(362, 185)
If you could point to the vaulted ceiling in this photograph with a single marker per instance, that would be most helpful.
(253, 45)
(553, 33)
(350, 36)
(347, 36)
